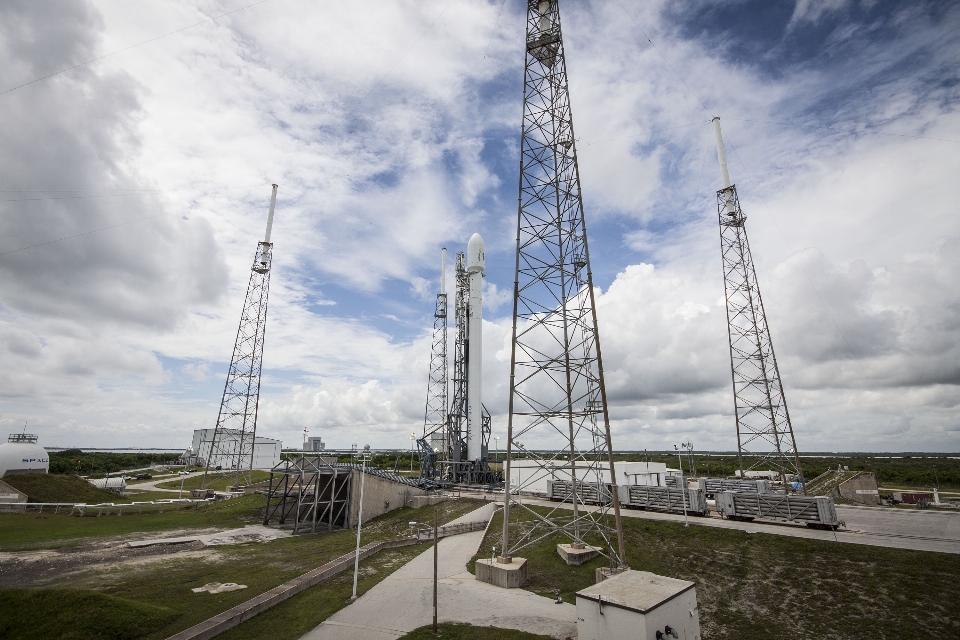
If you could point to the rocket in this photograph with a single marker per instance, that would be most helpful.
(475, 265)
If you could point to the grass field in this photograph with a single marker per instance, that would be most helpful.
(46, 487)
(166, 582)
(214, 483)
(469, 632)
(76, 614)
(758, 586)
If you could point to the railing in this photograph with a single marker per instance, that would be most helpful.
(425, 534)
(104, 508)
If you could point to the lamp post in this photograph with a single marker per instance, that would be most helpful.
(356, 558)
(413, 437)
(497, 440)
(436, 521)
(683, 488)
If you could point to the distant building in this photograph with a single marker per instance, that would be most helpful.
(533, 475)
(314, 444)
(266, 451)
(21, 454)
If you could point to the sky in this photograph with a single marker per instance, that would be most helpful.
(134, 188)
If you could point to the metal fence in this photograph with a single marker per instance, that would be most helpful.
(102, 509)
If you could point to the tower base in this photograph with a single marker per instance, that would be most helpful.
(576, 554)
(510, 575)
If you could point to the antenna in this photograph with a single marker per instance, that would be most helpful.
(764, 431)
(558, 400)
(234, 437)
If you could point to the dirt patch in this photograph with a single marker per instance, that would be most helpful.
(49, 567)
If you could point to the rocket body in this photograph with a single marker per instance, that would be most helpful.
(475, 266)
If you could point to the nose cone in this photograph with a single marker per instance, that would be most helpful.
(475, 261)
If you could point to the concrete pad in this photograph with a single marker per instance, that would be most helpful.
(510, 575)
(575, 555)
(249, 533)
(404, 600)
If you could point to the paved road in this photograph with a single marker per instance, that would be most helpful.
(920, 530)
(151, 485)
(404, 601)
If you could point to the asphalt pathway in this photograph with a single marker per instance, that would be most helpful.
(404, 601)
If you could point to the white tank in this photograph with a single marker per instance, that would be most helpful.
(22, 454)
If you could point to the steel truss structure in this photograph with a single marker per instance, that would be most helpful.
(231, 449)
(557, 392)
(764, 431)
(435, 416)
(443, 448)
(307, 493)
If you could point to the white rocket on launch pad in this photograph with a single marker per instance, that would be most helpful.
(475, 266)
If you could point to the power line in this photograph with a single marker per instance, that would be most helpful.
(85, 233)
(692, 92)
(134, 46)
(827, 126)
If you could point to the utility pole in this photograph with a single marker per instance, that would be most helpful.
(682, 484)
(556, 368)
(764, 430)
(234, 437)
(436, 520)
(356, 558)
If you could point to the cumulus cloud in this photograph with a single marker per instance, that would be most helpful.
(394, 132)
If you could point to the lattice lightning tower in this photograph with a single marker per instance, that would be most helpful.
(435, 439)
(557, 393)
(232, 446)
(764, 432)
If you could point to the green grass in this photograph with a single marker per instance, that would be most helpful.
(20, 531)
(261, 566)
(758, 586)
(470, 632)
(70, 614)
(46, 487)
(213, 483)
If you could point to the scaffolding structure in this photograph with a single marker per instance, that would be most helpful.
(764, 431)
(443, 448)
(231, 450)
(557, 394)
(435, 441)
(308, 493)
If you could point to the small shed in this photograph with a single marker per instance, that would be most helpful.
(638, 604)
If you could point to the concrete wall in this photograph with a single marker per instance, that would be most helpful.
(379, 496)
(861, 488)
(9, 495)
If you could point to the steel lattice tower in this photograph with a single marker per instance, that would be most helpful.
(557, 392)
(435, 416)
(764, 431)
(232, 446)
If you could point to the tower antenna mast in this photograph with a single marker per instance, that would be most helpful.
(557, 392)
(232, 446)
(764, 431)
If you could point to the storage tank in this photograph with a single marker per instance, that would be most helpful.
(21, 454)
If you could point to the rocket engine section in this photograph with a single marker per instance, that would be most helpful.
(475, 267)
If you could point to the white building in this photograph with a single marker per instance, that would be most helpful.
(21, 454)
(529, 475)
(266, 451)
(314, 444)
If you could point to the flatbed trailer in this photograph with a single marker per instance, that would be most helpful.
(668, 499)
(814, 511)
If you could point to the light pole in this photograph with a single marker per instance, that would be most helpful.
(436, 521)
(356, 558)
(497, 440)
(683, 487)
(413, 436)
(180, 495)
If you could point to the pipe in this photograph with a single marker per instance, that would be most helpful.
(273, 203)
(475, 266)
(443, 270)
(724, 172)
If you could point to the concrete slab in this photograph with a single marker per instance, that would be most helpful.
(509, 575)
(575, 555)
(404, 600)
(249, 533)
